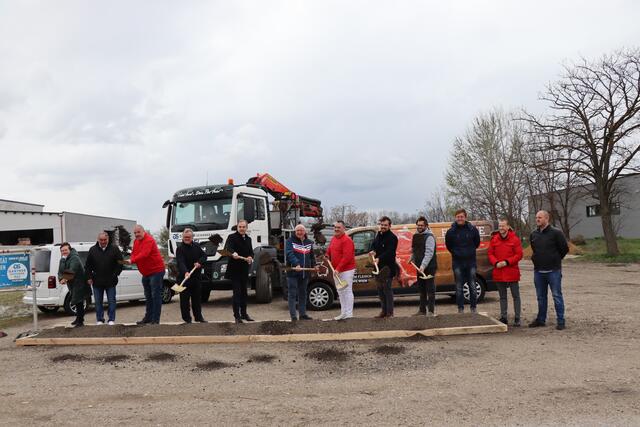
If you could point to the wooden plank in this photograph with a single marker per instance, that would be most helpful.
(234, 339)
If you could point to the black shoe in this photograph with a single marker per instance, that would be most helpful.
(294, 319)
(420, 313)
(503, 320)
(247, 318)
(305, 317)
(79, 325)
(560, 327)
(516, 323)
(143, 322)
(74, 323)
(187, 322)
(154, 323)
(536, 324)
(239, 320)
(201, 321)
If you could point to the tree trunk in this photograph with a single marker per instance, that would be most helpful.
(610, 237)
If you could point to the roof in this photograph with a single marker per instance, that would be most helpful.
(21, 203)
(62, 213)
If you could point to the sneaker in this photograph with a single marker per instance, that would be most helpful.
(305, 317)
(201, 321)
(503, 320)
(111, 323)
(100, 322)
(79, 325)
(143, 322)
(339, 317)
(294, 319)
(516, 323)
(420, 313)
(460, 310)
(536, 324)
(560, 327)
(474, 310)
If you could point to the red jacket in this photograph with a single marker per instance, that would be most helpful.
(147, 256)
(507, 249)
(342, 253)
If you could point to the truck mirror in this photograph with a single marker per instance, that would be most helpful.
(166, 203)
(249, 209)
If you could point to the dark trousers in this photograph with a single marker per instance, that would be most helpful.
(427, 289)
(504, 303)
(80, 312)
(239, 299)
(297, 294)
(383, 283)
(191, 299)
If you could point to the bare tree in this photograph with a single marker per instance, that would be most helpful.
(349, 214)
(485, 173)
(438, 208)
(594, 116)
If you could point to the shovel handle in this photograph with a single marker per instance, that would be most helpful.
(422, 275)
(185, 277)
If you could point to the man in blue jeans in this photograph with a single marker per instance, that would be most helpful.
(147, 257)
(299, 255)
(549, 248)
(462, 240)
(103, 266)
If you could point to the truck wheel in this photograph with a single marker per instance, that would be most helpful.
(319, 296)
(480, 290)
(264, 287)
(48, 309)
(205, 295)
(167, 293)
(70, 309)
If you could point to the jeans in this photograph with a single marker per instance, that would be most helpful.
(346, 294)
(153, 295)
(515, 294)
(239, 299)
(427, 289)
(465, 274)
(543, 282)
(297, 287)
(385, 293)
(98, 294)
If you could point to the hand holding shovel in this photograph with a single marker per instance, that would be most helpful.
(340, 284)
(422, 275)
(179, 288)
(376, 270)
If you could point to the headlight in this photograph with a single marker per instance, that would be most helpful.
(223, 268)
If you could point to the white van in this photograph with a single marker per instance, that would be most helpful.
(51, 295)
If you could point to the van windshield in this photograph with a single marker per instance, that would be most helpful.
(202, 215)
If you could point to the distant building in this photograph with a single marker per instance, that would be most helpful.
(584, 212)
(28, 224)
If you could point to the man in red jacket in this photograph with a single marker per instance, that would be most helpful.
(505, 251)
(147, 257)
(341, 253)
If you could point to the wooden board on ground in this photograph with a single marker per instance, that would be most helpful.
(486, 324)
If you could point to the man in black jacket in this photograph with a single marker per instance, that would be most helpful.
(549, 248)
(188, 256)
(103, 266)
(239, 244)
(462, 240)
(384, 252)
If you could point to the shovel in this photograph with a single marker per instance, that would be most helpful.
(179, 288)
(340, 284)
(224, 252)
(422, 275)
(376, 270)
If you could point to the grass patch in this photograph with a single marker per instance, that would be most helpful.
(14, 321)
(11, 298)
(596, 251)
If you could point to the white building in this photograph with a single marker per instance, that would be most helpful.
(28, 223)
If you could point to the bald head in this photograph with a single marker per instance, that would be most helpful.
(542, 219)
(139, 232)
(103, 239)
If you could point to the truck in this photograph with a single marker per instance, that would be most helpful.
(272, 211)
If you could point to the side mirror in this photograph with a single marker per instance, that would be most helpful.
(249, 210)
(166, 203)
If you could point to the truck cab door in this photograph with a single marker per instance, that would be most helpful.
(253, 209)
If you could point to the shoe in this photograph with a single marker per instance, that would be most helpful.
(143, 322)
(294, 319)
(186, 322)
(154, 323)
(79, 325)
(381, 315)
(202, 321)
(247, 318)
(339, 317)
(74, 323)
(98, 323)
(305, 317)
(516, 323)
(431, 314)
(239, 320)
(420, 313)
(560, 327)
(111, 323)
(389, 315)
(536, 324)
(474, 310)
(460, 310)
(503, 320)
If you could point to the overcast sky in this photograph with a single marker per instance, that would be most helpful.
(109, 107)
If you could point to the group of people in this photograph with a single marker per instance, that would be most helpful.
(104, 264)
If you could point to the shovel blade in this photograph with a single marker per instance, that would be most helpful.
(178, 288)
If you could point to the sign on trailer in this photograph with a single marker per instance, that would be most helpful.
(14, 270)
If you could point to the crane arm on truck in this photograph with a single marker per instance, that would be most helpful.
(281, 193)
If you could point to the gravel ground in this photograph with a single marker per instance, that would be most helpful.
(585, 375)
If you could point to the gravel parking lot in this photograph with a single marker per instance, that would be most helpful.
(585, 375)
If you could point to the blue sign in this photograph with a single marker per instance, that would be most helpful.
(15, 270)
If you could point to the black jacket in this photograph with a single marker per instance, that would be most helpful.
(186, 257)
(242, 246)
(462, 242)
(385, 245)
(549, 247)
(103, 266)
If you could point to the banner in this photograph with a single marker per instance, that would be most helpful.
(15, 270)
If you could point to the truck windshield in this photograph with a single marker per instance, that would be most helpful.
(202, 215)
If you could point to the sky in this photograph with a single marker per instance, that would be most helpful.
(108, 108)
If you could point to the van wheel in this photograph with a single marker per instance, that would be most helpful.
(48, 309)
(264, 287)
(480, 290)
(167, 293)
(319, 296)
(70, 309)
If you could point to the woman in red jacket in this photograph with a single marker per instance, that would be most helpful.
(505, 251)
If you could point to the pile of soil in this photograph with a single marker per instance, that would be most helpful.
(328, 355)
(161, 357)
(261, 358)
(212, 365)
(386, 350)
(272, 327)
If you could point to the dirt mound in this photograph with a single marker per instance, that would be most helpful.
(419, 337)
(69, 358)
(113, 358)
(161, 357)
(261, 358)
(275, 328)
(389, 349)
(329, 355)
(212, 365)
